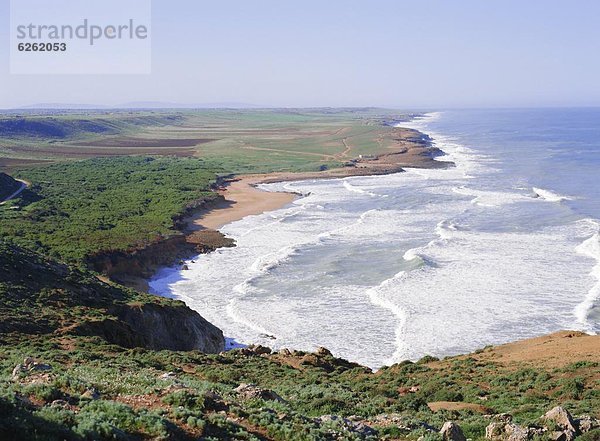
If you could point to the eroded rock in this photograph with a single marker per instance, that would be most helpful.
(451, 431)
(563, 421)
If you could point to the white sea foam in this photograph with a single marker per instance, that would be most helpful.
(378, 298)
(590, 248)
(489, 198)
(550, 196)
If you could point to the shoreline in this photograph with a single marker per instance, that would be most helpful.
(241, 197)
(238, 197)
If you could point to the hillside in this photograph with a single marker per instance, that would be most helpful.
(42, 297)
(75, 209)
(248, 141)
(8, 186)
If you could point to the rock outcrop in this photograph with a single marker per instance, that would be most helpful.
(118, 315)
(557, 425)
(451, 431)
(174, 327)
(563, 422)
(251, 391)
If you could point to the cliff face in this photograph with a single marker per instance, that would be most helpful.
(131, 268)
(175, 327)
(42, 296)
(153, 326)
(142, 262)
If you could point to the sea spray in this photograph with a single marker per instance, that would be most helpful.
(590, 248)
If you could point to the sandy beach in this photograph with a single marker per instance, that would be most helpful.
(241, 199)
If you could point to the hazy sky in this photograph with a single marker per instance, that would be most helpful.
(404, 54)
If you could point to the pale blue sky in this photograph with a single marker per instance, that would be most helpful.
(403, 54)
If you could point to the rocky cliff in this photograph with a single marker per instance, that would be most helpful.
(42, 296)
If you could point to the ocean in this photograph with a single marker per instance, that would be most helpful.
(503, 246)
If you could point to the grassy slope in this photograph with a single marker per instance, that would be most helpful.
(174, 395)
(97, 390)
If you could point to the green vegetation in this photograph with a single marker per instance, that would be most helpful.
(75, 209)
(174, 395)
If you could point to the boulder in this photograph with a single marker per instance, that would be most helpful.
(347, 425)
(92, 394)
(451, 431)
(251, 391)
(323, 352)
(29, 365)
(563, 421)
(495, 430)
(586, 423)
(515, 432)
(18, 369)
(259, 349)
(506, 431)
(59, 403)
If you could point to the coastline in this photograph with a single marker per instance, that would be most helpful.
(241, 197)
(238, 197)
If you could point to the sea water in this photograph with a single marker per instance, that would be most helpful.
(502, 246)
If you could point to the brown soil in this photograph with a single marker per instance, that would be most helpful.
(8, 164)
(78, 151)
(550, 351)
(436, 406)
(144, 142)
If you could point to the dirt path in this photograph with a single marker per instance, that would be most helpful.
(345, 153)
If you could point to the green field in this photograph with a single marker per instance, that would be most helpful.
(239, 140)
(114, 181)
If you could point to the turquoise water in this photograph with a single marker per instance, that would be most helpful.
(379, 269)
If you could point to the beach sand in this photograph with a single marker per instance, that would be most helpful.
(241, 199)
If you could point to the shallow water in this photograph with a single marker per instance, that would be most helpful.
(380, 269)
